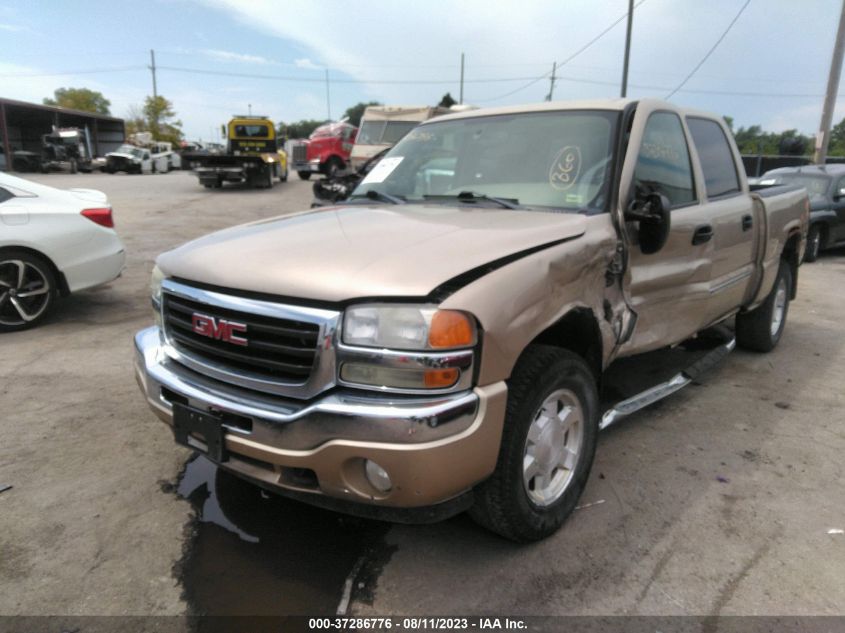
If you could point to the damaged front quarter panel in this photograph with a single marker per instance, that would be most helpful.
(519, 302)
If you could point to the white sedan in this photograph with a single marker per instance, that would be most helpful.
(52, 242)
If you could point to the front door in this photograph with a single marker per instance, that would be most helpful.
(668, 290)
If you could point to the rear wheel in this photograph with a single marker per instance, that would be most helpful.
(760, 330)
(304, 175)
(548, 444)
(814, 242)
(73, 166)
(27, 289)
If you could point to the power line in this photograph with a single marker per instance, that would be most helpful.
(710, 52)
(566, 61)
(225, 73)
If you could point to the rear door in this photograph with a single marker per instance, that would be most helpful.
(729, 215)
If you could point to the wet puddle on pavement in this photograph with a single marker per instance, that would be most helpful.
(254, 553)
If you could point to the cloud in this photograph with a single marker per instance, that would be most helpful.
(232, 56)
(14, 28)
(306, 63)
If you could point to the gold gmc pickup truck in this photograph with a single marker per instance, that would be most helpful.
(437, 343)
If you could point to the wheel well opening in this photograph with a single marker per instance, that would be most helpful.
(64, 289)
(790, 256)
(578, 331)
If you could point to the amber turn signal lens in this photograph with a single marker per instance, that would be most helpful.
(450, 329)
(440, 378)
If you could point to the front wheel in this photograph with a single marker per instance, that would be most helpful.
(304, 175)
(27, 289)
(761, 329)
(548, 444)
(814, 242)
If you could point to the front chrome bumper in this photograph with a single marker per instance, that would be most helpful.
(433, 448)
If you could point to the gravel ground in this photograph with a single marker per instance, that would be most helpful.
(718, 500)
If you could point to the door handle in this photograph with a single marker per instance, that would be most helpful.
(747, 222)
(702, 234)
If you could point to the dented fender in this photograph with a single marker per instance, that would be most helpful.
(514, 304)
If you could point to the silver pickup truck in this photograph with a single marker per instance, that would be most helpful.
(437, 343)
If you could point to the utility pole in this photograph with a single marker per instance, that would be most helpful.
(461, 98)
(328, 96)
(627, 49)
(153, 69)
(552, 85)
(823, 137)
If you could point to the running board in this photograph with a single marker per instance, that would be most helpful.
(664, 389)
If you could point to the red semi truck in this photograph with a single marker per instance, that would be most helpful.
(326, 151)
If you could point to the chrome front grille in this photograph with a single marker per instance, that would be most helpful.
(300, 153)
(276, 348)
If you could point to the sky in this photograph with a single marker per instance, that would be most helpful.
(216, 58)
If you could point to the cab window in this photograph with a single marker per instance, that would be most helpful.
(663, 164)
(717, 161)
(5, 194)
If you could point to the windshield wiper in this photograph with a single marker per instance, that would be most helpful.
(373, 194)
(469, 196)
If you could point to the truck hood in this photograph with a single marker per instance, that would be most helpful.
(340, 253)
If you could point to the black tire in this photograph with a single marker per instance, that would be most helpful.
(304, 175)
(332, 167)
(502, 503)
(38, 275)
(756, 330)
(814, 243)
(73, 166)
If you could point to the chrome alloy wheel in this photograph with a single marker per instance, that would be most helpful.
(552, 447)
(779, 307)
(24, 292)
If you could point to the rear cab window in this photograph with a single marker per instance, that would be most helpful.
(5, 194)
(717, 160)
(663, 164)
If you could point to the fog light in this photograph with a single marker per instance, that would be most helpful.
(377, 476)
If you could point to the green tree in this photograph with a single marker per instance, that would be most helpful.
(156, 117)
(447, 101)
(159, 115)
(836, 146)
(354, 113)
(79, 99)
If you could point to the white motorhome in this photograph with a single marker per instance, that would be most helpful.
(384, 126)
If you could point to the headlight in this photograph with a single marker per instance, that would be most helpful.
(155, 292)
(407, 327)
(407, 348)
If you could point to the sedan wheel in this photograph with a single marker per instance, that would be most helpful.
(27, 288)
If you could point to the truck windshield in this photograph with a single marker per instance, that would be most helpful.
(560, 160)
(250, 131)
(384, 132)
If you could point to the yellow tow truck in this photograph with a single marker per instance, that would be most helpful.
(254, 155)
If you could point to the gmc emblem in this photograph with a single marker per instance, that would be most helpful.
(218, 329)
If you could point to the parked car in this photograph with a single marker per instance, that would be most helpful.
(436, 342)
(52, 242)
(131, 159)
(826, 186)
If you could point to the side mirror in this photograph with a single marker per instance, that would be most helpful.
(651, 212)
